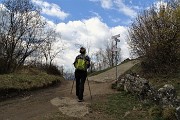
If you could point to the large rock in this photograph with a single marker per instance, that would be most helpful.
(167, 95)
(136, 85)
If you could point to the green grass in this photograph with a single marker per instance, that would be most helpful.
(120, 104)
(25, 81)
(160, 82)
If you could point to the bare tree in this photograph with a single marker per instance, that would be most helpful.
(21, 28)
(99, 59)
(110, 54)
(49, 48)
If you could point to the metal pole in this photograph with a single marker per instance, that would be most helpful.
(116, 60)
(72, 87)
(89, 88)
(117, 40)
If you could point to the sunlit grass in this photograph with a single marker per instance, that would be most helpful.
(27, 81)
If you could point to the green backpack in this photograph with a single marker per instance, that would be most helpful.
(81, 64)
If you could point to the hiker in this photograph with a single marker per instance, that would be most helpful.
(81, 63)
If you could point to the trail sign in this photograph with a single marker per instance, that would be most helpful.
(115, 37)
(116, 49)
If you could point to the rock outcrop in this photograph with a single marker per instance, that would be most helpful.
(164, 96)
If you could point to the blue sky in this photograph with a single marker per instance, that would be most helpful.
(90, 23)
(111, 12)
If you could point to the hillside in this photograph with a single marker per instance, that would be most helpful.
(111, 74)
(56, 103)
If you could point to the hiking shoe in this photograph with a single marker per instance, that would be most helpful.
(81, 100)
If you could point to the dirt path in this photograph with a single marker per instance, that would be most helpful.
(111, 74)
(40, 104)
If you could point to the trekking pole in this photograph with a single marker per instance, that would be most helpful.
(89, 88)
(72, 87)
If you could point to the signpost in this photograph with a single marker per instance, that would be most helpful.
(115, 37)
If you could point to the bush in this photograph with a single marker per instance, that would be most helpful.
(154, 35)
(53, 69)
(2, 70)
(5, 67)
(50, 69)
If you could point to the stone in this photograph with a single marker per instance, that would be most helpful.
(140, 86)
(178, 113)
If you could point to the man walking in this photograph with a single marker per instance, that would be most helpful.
(81, 63)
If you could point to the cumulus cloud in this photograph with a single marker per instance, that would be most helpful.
(124, 8)
(51, 9)
(91, 33)
(118, 5)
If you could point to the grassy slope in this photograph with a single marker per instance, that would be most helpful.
(27, 79)
(23, 81)
(159, 80)
(120, 104)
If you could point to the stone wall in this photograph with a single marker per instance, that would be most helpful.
(165, 96)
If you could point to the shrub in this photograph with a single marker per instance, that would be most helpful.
(154, 35)
(53, 69)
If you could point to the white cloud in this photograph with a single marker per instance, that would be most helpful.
(51, 9)
(125, 9)
(2, 7)
(88, 32)
(118, 5)
(116, 20)
(91, 31)
(106, 4)
(95, 14)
